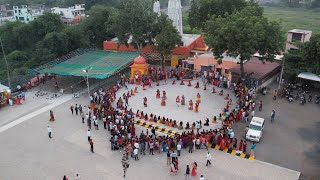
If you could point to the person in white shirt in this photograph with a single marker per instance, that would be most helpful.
(136, 145)
(89, 134)
(49, 131)
(179, 149)
(136, 152)
(208, 159)
(77, 177)
(201, 177)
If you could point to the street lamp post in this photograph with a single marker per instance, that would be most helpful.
(87, 72)
(281, 74)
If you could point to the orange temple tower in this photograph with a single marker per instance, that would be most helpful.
(140, 67)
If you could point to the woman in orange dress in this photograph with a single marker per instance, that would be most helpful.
(196, 107)
(198, 98)
(194, 169)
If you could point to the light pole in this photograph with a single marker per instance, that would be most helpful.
(87, 72)
(281, 74)
(5, 59)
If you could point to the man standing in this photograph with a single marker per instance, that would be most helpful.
(76, 109)
(153, 131)
(191, 144)
(151, 145)
(273, 114)
(260, 106)
(89, 135)
(253, 146)
(187, 175)
(49, 131)
(179, 148)
(71, 109)
(125, 163)
(91, 145)
(208, 159)
(173, 156)
(136, 152)
(127, 101)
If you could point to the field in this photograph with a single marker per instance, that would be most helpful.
(290, 18)
(295, 18)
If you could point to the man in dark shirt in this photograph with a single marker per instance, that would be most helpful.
(187, 175)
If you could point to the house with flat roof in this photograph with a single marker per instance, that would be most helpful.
(70, 15)
(297, 35)
(26, 14)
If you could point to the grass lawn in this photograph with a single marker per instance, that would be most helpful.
(290, 18)
(294, 18)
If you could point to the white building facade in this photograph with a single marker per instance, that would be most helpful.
(70, 12)
(24, 14)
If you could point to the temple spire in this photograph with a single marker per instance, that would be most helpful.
(156, 8)
(175, 14)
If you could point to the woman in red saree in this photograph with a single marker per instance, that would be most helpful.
(194, 169)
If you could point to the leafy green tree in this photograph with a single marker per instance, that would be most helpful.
(97, 26)
(202, 10)
(167, 39)
(55, 44)
(311, 54)
(77, 38)
(135, 24)
(244, 33)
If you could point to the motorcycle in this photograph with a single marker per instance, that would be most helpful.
(310, 98)
(290, 98)
(303, 100)
(317, 99)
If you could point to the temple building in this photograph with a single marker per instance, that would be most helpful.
(191, 43)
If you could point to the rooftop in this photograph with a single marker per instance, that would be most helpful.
(300, 31)
(101, 64)
(187, 39)
(225, 57)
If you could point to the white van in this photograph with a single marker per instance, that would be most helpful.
(255, 129)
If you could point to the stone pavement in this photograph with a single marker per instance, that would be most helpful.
(28, 153)
(208, 108)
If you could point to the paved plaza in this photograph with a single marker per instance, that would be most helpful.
(28, 153)
(211, 103)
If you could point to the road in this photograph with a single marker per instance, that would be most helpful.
(292, 141)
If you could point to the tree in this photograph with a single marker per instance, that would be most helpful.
(304, 59)
(136, 24)
(311, 54)
(202, 10)
(167, 39)
(54, 44)
(97, 26)
(244, 33)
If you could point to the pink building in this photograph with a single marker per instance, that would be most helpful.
(297, 35)
(207, 62)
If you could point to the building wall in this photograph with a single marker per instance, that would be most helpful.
(206, 61)
(24, 14)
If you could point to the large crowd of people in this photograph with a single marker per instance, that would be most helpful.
(119, 121)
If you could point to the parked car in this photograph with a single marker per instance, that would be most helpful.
(254, 132)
